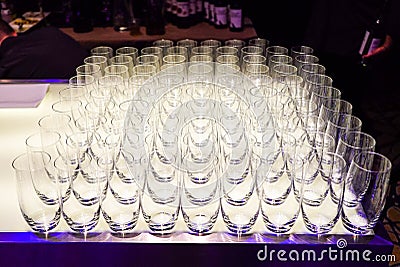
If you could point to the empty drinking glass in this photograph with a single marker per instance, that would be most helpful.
(188, 43)
(123, 60)
(57, 122)
(200, 196)
(178, 50)
(41, 209)
(275, 176)
(150, 59)
(240, 202)
(202, 50)
(235, 43)
(121, 203)
(342, 123)
(121, 70)
(101, 61)
(316, 79)
(261, 42)
(88, 184)
(320, 94)
(351, 144)
(160, 198)
(226, 50)
(300, 60)
(279, 59)
(212, 43)
(105, 51)
(163, 44)
(333, 107)
(311, 68)
(300, 50)
(49, 141)
(275, 50)
(320, 211)
(154, 50)
(369, 173)
(89, 69)
(133, 52)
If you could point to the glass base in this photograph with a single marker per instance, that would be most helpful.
(355, 229)
(200, 223)
(240, 228)
(279, 223)
(123, 225)
(162, 222)
(89, 222)
(325, 224)
(42, 222)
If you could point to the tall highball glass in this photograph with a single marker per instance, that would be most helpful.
(369, 172)
(320, 211)
(41, 213)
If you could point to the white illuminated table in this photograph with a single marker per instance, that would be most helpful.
(18, 123)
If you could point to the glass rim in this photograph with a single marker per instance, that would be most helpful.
(132, 49)
(353, 118)
(27, 165)
(277, 48)
(38, 133)
(302, 48)
(80, 79)
(152, 56)
(337, 91)
(361, 133)
(151, 49)
(251, 49)
(211, 41)
(227, 47)
(144, 67)
(163, 42)
(116, 67)
(381, 157)
(202, 49)
(179, 57)
(115, 78)
(258, 41)
(88, 66)
(186, 41)
(307, 67)
(272, 57)
(260, 58)
(101, 47)
(103, 59)
(284, 67)
(335, 100)
(125, 59)
(47, 116)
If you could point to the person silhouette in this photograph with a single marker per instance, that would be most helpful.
(42, 53)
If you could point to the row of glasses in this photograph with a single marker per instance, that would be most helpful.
(83, 187)
(336, 121)
(81, 172)
(89, 128)
(213, 48)
(200, 166)
(254, 112)
(163, 47)
(317, 82)
(198, 148)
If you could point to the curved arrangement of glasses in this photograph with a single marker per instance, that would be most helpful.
(211, 131)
